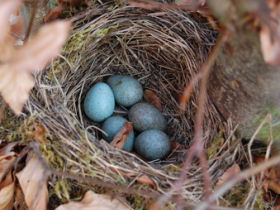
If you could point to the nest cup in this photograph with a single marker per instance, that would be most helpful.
(163, 50)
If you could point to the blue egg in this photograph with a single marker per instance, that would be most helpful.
(112, 126)
(99, 102)
(152, 144)
(127, 90)
(145, 116)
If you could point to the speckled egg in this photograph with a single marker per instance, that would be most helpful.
(112, 126)
(145, 116)
(99, 102)
(152, 144)
(127, 90)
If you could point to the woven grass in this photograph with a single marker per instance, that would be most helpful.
(163, 50)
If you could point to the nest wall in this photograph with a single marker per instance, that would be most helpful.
(163, 50)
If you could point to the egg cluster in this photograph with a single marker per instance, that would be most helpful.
(99, 104)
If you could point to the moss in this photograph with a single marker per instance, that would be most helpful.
(264, 133)
(74, 46)
(104, 31)
(62, 189)
(237, 195)
(139, 202)
(259, 202)
(215, 146)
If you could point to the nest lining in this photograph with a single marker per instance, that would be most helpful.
(163, 50)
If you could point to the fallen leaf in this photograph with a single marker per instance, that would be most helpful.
(17, 63)
(155, 206)
(121, 136)
(19, 199)
(33, 182)
(270, 36)
(7, 189)
(53, 14)
(228, 174)
(271, 177)
(144, 179)
(7, 7)
(7, 159)
(270, 46)
(41, 48)
(153, 99)
(93, 201)
(39, 133)
(177, 146)
(18, 24)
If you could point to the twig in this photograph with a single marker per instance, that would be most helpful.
(184, 99)
(35, 6)
(239, 177)
(197, 146)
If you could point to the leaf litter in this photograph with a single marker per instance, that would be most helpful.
(17, 63)
(93, 201)
(33, 182)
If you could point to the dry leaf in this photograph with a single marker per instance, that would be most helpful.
(17, 63)
(15, 87)
(270, 37)
(40, 49)
(153, 99)
(270, 48)
(229, 173)
(7, 7)
(18, 24)
(144, 179)
(33, 182)
(7, 189)
(93, 201)
(53, 14)
(271, 177)
(121, 136)
(7, 159)
(177, 146)
(39, 133)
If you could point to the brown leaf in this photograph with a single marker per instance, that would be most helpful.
(153, 99)
(270, 35)
(33, 182)
(7, 159)
(93, 201)
(7, 189)
(15, 78)
(229, 173)
(273, 185)
(41, 48)
(15, 87)
(53, 14)
(39, 133)
(121, 136)
(177, 146)
(144, 179)
(7, 7)
(270, 46)
(18, 24)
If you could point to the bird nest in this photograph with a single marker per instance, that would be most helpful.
(163, 50)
